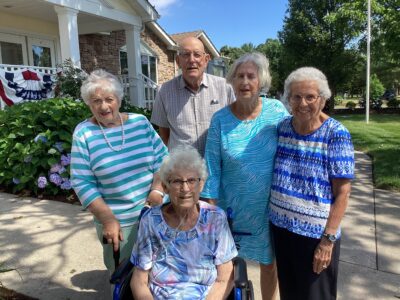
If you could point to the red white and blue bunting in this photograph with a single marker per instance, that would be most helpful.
(25, 85)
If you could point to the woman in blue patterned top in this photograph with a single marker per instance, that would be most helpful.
(240, 151)
(184, 248)
(313, 168)
(115, 161)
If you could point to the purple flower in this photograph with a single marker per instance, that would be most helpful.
(66, 185)
(42, 182)
(28, 158)
(55, 168)
(16, 180)
(41, 138)
(55, 178)
(62, 170)
(58, 146)
(66, 159)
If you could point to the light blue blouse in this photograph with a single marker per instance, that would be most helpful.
(240, 159)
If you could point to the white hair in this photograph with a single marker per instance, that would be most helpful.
(262, 65)
(96, 80)
(183, 157)
(307, 74)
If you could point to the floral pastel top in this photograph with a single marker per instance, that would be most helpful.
(183, 264)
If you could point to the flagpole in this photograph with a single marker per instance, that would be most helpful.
(368, 62)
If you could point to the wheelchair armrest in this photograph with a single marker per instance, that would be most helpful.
(121, 271)
(240, 272)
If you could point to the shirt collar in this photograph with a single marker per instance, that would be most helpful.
(204, 82)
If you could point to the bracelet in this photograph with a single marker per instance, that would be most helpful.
(158, 192)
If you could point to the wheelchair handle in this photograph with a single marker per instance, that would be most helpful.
(116, 254)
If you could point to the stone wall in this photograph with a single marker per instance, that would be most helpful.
(102, 51)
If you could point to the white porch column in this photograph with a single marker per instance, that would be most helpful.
(136, 87)
(69, 37)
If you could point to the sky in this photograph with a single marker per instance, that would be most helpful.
(226, 22)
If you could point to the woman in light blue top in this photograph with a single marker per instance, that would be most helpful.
(114, 165)
(240, 150)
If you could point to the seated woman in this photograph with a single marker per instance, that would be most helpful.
(184, 248)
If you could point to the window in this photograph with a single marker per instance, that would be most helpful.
(41, 56)
(148, 61)
(11, 54)
(13, 49)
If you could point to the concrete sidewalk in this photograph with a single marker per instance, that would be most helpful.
(55, 249)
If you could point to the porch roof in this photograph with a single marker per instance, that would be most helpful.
(94, 15)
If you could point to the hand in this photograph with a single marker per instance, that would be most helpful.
(112, 232)
(322, 255)
(154, 198)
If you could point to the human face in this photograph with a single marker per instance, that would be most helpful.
(305, 101)
(104, 106)
(192, 59)
(245, 83)
(184, 189)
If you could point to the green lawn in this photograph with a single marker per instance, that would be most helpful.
(380, 139)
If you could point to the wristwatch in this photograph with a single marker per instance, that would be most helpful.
(330, 237)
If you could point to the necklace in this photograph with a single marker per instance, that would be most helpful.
(122, 131)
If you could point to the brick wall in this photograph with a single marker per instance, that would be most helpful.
(102, 51)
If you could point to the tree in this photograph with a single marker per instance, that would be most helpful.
(316, 33)
(272, 49)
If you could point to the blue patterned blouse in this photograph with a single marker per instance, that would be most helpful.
(301, 193)
(183, 264)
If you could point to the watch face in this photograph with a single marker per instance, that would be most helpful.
(330, 237)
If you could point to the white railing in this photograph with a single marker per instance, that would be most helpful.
(149, 89)
(13, 68)
(149, 86)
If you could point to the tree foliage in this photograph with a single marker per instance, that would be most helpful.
(316, 34)
(331, 36)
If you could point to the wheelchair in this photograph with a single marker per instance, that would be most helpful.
(242, 290)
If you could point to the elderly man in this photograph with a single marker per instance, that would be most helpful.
(184, 105)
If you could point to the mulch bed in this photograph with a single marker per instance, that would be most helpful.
(7, 294)
(71, 198)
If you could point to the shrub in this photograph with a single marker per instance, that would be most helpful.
(376, 91)
(338, 100)
(69, 80)
(393, 103)
(351, 105)
(35, 145)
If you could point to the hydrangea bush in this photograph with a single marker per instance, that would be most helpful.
(35, 145)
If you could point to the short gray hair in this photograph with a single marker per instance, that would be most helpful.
(262, 64)
(96, 80)
(307, 74)
(183, 157)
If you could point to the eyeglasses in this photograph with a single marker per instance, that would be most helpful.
(178, 183)
(99, 102)
(309, 98)
(187, 54)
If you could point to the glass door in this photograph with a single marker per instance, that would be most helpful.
(12, 49)
(41, 52)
